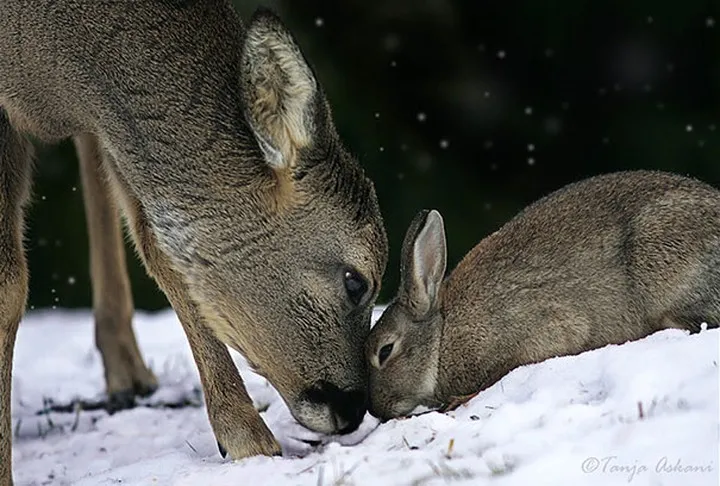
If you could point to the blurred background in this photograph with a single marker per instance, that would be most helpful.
(476, 108)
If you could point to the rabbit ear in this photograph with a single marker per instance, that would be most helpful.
(423, 262)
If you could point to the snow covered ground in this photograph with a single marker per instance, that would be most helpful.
(643, 413)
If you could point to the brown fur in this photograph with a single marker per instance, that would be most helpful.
(602, 261)
(216, 144)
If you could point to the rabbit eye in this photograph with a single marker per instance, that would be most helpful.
(384, 353)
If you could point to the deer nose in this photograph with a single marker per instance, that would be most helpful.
(348, 407)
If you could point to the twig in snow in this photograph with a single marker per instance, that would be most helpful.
(451, 445)
(445, 472)
(75, 424)
(641, 414)
(89, 405)
(653, 405)
(407, 444)
(346, 475)
(191, 446)
(437, 472)
(46, 411)
(302, 471)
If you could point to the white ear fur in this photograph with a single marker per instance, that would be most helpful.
(429, 259)
(280, 90)
(273, 156)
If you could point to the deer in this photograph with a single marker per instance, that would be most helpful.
(213, 141)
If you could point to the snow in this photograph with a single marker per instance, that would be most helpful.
(641, 413)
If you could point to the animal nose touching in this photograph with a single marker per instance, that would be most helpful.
(344, 409)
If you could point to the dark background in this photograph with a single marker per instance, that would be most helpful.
(472, 107)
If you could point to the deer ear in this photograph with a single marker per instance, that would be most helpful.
(279, 89)
(423, 262)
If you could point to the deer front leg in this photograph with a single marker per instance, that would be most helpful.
(238, 427)
(15, 154)
(126, 374)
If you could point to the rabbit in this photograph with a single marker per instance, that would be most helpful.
(606, 260)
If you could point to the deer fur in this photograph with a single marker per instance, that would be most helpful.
(216, 144)
(602, 261)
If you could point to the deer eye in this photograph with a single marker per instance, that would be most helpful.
(384, 353)
(355, 286)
